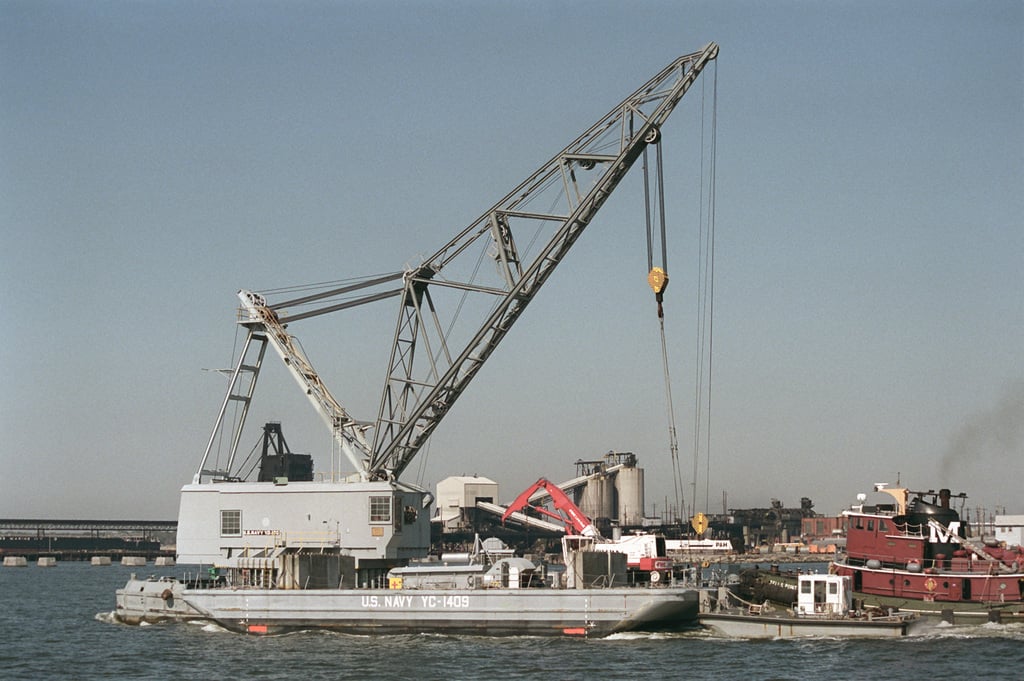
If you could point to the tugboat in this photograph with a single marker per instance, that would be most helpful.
(916, 555)
(824, 607)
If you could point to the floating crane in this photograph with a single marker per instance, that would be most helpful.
(454, 308)
(432, 360)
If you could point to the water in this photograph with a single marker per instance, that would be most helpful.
(55, 623)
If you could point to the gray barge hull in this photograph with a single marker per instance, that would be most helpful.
(486, 612)
(742, 625)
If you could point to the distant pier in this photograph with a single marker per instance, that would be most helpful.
(74, 540)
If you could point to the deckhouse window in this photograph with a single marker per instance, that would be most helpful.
(231, 523)
(380, 509)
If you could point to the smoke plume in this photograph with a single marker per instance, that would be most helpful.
(991, 436)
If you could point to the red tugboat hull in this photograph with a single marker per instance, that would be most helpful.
(918, 555)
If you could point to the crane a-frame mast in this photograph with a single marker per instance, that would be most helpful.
(432, 360)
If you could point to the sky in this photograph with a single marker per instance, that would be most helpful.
(155, 157)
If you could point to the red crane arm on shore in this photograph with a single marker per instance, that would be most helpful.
(574, 517)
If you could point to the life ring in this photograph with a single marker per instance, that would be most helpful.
(655, 577)
(930, 584)
(706, 564)
(166, 594)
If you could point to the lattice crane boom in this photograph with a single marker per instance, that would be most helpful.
(412, 405)
(525, 235)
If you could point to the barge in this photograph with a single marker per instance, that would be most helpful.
(823, 608)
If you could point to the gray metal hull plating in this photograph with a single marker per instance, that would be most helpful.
(488, 612)
(741, 625)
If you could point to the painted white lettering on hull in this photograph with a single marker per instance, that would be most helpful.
(426, 602)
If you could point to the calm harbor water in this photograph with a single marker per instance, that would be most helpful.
(55, 623)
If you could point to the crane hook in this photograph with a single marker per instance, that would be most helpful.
(657, 279)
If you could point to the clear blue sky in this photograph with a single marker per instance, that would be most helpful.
(155, 157)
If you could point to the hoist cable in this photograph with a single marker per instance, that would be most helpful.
(673, 441)
(705, 304)
(661, 206)
(658, 280)
(647, 214)
(712, 188)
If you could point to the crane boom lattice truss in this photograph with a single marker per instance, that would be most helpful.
(433, 359)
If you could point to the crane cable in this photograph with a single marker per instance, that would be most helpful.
(710, 270)
(657, 279)
(705, 295)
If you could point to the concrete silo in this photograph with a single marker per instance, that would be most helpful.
(597, 500)
(629, 488)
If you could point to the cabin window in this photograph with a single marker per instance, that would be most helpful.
(883, 526)
(871, 526)
(860, 523)
(833, 588)
(231, 523)
(380, 509)
(805, 587)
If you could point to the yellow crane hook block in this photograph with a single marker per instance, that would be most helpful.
(657, 279)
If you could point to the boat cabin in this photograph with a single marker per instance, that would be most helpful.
(823, 595)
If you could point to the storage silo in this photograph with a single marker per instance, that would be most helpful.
(598, 499)
(629, 484)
